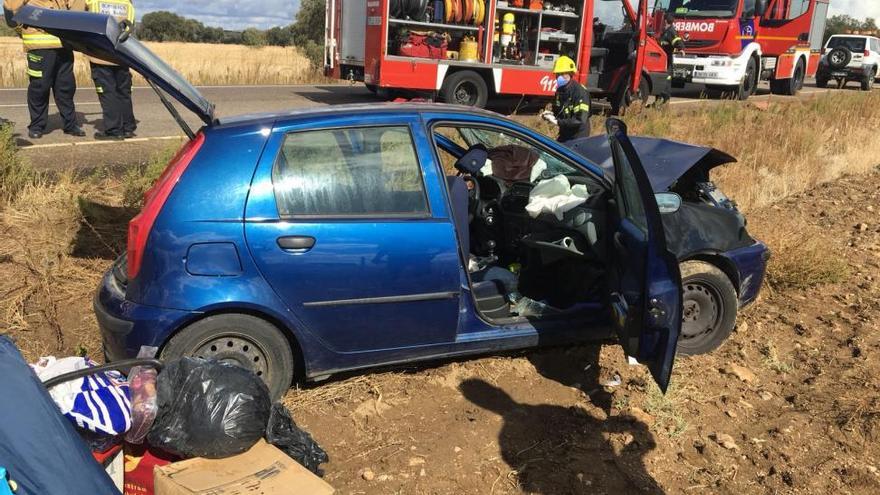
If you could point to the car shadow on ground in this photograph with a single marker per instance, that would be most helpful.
(552, 449)
(102, 230)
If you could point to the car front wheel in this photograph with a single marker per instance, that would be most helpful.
(239, 339)
(709, 306)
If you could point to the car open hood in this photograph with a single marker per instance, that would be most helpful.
(668, 163)
(105, 38)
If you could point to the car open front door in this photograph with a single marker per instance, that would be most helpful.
(645, 281)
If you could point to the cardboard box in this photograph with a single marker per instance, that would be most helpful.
(262, 470)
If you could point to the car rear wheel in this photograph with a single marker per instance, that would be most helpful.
(709, 306)
(868, 81)
(749, 84)
(465, 88)
(243, 340)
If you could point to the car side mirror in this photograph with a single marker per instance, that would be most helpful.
(760, 8)
(668, 202)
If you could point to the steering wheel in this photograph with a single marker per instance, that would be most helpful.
(473, 195)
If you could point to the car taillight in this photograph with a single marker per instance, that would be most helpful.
(867, 53)
(139, 227)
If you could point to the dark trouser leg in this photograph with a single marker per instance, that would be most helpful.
(64, 87)
(40, 65)
(105, 85)
(123, 86)
(666, 94)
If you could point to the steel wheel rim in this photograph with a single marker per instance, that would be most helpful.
(236, 349)
(465, 93)
(701, 311)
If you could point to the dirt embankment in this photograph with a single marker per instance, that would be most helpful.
(790, 404)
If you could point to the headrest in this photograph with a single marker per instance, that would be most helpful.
(473, 160)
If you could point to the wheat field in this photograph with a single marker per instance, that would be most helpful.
(199, 63)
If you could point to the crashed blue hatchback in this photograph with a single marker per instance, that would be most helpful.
(323, 240)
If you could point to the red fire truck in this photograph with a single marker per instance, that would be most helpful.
(466, 51)
(730, 45)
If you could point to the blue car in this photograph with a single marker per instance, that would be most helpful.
(323, 240)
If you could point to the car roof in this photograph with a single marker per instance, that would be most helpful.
(852, 36)
(357, 108)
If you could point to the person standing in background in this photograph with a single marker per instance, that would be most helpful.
(671, 43)
(113, 82)
(49, 68)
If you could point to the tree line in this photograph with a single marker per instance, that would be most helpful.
(306, 32)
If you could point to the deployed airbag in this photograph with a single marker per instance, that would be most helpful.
(555, 196)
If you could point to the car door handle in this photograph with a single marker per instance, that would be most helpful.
(296, 243)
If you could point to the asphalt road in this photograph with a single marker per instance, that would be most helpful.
(156, 124)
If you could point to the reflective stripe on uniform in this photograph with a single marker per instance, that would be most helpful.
(99, 90)
(39, 39)
(583, 107)
(676, 40)
(33, 57)
(35, 73)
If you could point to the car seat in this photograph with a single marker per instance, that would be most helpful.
(492, 284)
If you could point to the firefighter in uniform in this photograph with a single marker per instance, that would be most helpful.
(49, 67)
(113, 82)
(571, 107)
(671, 43)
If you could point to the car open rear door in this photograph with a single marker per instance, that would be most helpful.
(645, 281)
(104, 37)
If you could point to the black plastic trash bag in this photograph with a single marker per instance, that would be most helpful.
(209, 409)
(39, 447)
(283, 433)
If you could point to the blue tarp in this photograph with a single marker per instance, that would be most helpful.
(39, 447)
(664, 161)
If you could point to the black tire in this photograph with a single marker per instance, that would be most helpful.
(245, 340)
(839, 58)
(791, 86)
(709, 306)
(465, 88)
(749, 84)
(623, 97)
(868, 81)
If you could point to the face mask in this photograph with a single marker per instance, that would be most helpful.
(561, 81)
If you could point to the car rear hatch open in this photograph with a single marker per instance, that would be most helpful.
(104, 37)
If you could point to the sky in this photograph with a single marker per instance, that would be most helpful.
(264, 14)
(859, 9)
(229, 14)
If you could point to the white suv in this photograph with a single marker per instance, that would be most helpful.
(850, 57)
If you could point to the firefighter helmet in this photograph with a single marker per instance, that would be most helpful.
(564, 65)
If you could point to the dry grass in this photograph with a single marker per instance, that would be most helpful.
(15, 173)
(800, 256)
(784, 148)
(199, 63)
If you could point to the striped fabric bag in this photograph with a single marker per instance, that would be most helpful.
(100, 402)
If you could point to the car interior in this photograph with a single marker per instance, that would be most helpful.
(531, 226)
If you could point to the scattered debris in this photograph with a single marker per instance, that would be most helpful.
(741, 372)
(724, 440)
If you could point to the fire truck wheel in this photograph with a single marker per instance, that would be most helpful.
(750, 81)
(465, 88)
(868, 81)
(791, 86)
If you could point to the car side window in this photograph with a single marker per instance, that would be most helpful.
(366, 171)
(550, 164)
(629, 199)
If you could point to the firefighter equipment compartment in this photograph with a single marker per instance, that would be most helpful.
(530, 33)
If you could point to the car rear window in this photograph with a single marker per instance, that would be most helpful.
(850, 43)
(349, 172)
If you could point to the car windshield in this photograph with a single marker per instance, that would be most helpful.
(700, 8)
(494, 138)
(852, 44)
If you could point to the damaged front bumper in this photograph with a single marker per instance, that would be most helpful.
(751, 265)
